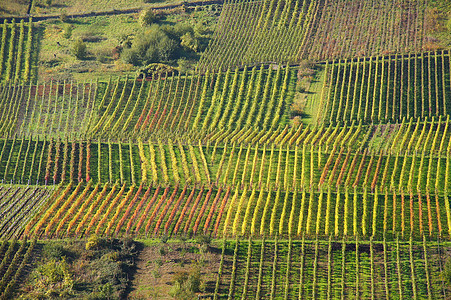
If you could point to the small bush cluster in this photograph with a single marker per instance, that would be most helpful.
(163, 43)
(100, 266)
(187, 284)
(79, 49)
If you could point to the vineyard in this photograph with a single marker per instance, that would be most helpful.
(17, 51)
(311, 147)
(15, 256)
(173, 106)
(387, 89)
(330, 269)
(253, 32)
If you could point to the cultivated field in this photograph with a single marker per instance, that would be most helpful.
(304, 152)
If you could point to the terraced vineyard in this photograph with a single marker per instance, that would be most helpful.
(15, 256)
(253, 32)
(17, 51)
(385, 89)
(331, 269)
(312, 143)
(167, 106)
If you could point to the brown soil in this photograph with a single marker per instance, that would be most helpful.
(158, 266)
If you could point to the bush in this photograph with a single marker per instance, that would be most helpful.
(162, 44)
(67, 32)
(297, 121)
(203, 239)
(201, 30)
(103, 55)
(53, 279)
(53, 251)
(147, 17)
(94, 243)
(189, 42)
(91, 36)
(105, 291)
(101, 272)
(63, 17)
(186, 285)
(194, 281)
(153, 45)
(44, 3)
(186, 66)
(177, 30)
(151, 70)
(79, 49)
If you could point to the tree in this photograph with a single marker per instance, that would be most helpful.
(79, 49)
(166, 48)
(153, 45)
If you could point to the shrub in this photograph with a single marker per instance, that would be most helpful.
(103, 55)
(91, 36)
(177, 30)
(164, 239)
(94, 242)
(189, 42)
(297, 121)
(63, 17)
(79, 49)
(44, 3)
(103, 292)
(147, 17)
(204, 242)
(116, 53)
(186, 285)
(53, 280)
(201, 30)
(153, 45)
(186, 66)
(203, 239)
(53, 251)
(67, 32)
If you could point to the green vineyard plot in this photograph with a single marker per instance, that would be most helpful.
(173, 105)
(330, 269)
(387, 89)
(17, 51)
(289, 31)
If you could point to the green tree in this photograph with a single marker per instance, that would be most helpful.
(153, 45)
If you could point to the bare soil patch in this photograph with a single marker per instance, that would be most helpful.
(158, 267)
